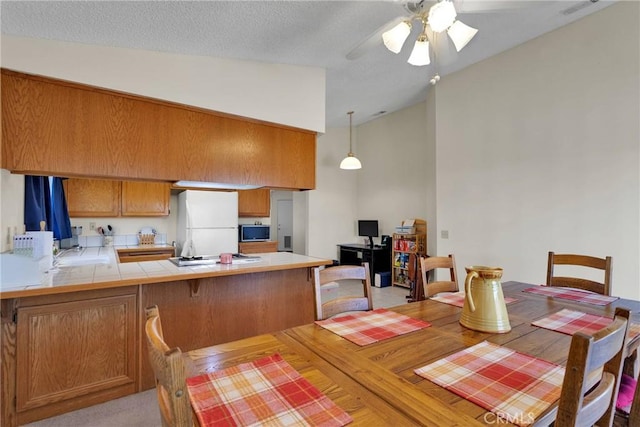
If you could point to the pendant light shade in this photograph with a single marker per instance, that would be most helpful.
(350, 162)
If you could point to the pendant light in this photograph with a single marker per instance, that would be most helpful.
(350, 162)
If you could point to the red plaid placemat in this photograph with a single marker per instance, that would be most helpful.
(267, 391)
(371, 326)
(512, 385)
(457, 298)
(570, 321)
(571, 294)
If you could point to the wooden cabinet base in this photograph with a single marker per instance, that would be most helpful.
(229, 308)
(257, 247)
(67, 351)
(142, 254)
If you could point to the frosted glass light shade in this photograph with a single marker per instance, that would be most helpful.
(350, 162)
(395, 37)
(420, 53)
(461, 34)
(441, 16)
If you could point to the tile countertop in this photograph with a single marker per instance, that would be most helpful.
(98, 268)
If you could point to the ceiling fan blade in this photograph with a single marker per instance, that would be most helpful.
(477, 6)
(373, 40)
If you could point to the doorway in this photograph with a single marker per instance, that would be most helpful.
(285, 225)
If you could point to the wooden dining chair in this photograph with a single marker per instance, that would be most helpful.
(170, 374)
(604, 264)
(429, 264)
(592, 376)
(343, 304)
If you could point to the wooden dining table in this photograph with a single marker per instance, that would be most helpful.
(376, 384)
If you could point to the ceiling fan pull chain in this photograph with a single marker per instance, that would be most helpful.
(436, 77)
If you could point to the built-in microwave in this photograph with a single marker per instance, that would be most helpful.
(253, 233)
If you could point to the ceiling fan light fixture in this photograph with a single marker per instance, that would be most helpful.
(461, 34)
(395, 37)
(441, 16)
(350, 162)
(420, 53)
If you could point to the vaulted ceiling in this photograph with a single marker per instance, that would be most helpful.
(310, 33)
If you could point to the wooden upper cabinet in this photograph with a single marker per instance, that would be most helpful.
(106, 198)
(59, 128)
(145, 198)
(254, 203)
(92, 197)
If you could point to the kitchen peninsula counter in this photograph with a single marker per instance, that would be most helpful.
(77, 338)
(101, 270)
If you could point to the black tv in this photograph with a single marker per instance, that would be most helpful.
(368, 228)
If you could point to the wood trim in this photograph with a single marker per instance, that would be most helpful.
(8, 345)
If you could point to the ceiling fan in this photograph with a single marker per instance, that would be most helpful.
(435, 18)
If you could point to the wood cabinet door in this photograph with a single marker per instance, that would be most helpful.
(138, 255)
(254, 203)
(72, 350)
(257, 247)
(92, 197)
(145, 198)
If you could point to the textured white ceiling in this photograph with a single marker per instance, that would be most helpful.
(314, 33)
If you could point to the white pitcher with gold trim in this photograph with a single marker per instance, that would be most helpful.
(484, 307)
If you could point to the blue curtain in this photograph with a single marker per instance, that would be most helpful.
(44, 202)
(61, 222)
(37, 202)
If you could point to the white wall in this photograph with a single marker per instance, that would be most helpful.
(397, 168)
(127, 225)
(11, 208)
(397, 179)
(213, 83)
(332, 205)
(538, 150)
(533, 150)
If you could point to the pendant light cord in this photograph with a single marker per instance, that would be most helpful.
(350, 113)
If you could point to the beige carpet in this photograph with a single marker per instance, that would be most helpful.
(137, 410)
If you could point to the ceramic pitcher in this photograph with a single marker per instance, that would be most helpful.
(484, 308)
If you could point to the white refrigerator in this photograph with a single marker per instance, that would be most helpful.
(207, 223)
